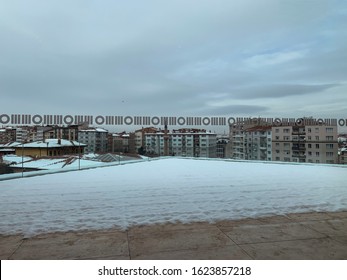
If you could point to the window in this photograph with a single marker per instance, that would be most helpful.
(330, 146)
(317, 154)
(316, 129)
(310, 153)
(309, 146)
(329, 129)
(277, 130)
(317, 138)
(329, 138)
(277, 158)
(277, 138)
(286, 138)
(309, 138)
(317, 146)
(309, 130)
(330, 154)
(286, 130)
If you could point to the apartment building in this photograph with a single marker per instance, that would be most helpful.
(222, 150)
(29, 134)
(63, 132)
(182, 142)
(251, 141)
(258, 143)
(306, 143)
(237, 134)
(140, 141)
(121, 142)
(95, 139)
(7, 134)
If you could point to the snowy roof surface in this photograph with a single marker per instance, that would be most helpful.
(53, 143)
(167, 190)
(10, 144)
(94, 130)
(6, 150)
(15, 158)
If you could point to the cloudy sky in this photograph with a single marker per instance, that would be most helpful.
(174, 58)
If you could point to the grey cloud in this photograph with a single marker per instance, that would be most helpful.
(234, 110)
(279, 91)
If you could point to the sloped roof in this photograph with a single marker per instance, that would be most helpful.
(10, 144)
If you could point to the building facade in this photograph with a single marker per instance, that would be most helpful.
(182, 142)
(63, 132)
(50, 147)
(251, 141)
(26, 134)
(7, 134)
(95, 139)
(305, 142)
(310, 143)
(258, 143)
(140, 140)
(121, 143)
(222, 142)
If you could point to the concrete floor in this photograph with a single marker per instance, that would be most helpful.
(293, 236)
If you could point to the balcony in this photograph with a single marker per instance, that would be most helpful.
(301, 156)
(298, 148)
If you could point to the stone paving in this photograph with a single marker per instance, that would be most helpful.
(293, 236)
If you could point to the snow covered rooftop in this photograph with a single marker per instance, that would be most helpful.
(94, 130)
(10, 144)
(53, 143)
(167, 190)
(15, 159)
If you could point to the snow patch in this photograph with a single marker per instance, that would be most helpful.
(167, 190)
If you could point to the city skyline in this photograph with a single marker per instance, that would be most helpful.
(182, 58)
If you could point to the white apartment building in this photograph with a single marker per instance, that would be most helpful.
(182, 142)
(140, 141)
(258, 143)
(29, 134)
(251, 142)
(96, 140)
(222, 146)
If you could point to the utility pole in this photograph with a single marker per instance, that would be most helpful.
(22, 158)
(79, 155)
(166, 140)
